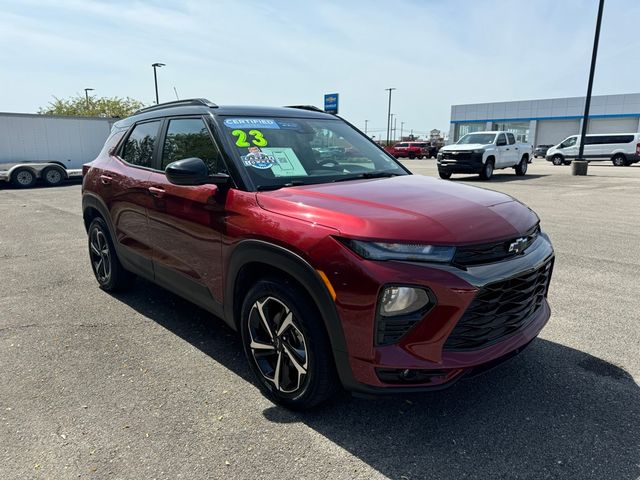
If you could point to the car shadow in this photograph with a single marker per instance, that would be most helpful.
(499, 178)
(552, 412)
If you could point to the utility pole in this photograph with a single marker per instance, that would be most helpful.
(365, 126)
(86, 95)
(155, 77)
(391, 129)
(401, 130)
(395, 125)
(579, 166)
(389, 114)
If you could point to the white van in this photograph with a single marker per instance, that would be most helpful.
(620, 148)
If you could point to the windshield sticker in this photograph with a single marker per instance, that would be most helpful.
(258, 138)
(248, 123)
(287, 162)
(259, 160)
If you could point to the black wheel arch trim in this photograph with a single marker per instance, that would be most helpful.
(259, 251)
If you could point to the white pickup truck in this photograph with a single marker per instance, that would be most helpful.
(482, 153)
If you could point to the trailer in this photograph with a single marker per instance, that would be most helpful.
(48, 148)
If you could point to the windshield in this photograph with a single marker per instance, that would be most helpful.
(480, 138)
(278, 152)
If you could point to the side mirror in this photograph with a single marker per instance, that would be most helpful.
(192, 171)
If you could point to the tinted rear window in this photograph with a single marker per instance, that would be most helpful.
(605, 139)
(138, 149)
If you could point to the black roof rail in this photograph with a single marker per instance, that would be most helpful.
(305, 107)
(178, 103)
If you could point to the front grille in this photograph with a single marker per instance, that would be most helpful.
(495, 251)
(500, 309)
(462, 155)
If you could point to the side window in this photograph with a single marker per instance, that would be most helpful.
(511, 138)
(502, 140)
(187, 138)
(138, 149)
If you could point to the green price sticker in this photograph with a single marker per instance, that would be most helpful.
(258, 139)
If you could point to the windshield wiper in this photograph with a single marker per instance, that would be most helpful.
(293, 183)
(360, 176)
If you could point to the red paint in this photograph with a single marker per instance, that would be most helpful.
(194, 230)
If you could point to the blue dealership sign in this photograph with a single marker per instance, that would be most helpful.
(331, 103)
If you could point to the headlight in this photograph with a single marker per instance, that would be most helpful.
(479, 150)
(440, 156)
(401, 251)
(401, 300)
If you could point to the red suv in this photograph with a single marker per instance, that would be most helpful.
(411, 150)
(342, 270)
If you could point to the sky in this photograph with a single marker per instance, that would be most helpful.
(436, 53)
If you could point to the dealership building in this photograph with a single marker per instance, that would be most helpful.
(548, 122)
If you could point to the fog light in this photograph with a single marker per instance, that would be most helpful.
(401, 300)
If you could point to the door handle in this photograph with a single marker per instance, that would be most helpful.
(105, 179)
(507, 149)
(156, 192)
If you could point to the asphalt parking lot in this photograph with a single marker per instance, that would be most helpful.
(145, 385)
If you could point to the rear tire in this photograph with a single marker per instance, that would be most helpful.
(108, 270)
(412, 155)
(487, 170)
(619, 160)
(444, 174)
(53, 176)
(557, 160)
(286, 345)
(23, 178)
(521, 168)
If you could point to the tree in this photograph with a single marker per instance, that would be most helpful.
(96, 107)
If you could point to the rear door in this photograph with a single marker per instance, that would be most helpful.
(513, 149)
(186, 222)
(124, 184)
(502, 151)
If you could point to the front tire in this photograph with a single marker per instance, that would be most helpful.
(487, 170)
(108, 270)
(286, 345)
(557, 160)
(521, 168)
(444, 174)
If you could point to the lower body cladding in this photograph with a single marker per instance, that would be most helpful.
(469, 320)
(461, 163)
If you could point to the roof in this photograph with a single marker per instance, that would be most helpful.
(203, 106)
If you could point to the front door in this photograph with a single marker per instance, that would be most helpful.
(503, 151)
(186, 222)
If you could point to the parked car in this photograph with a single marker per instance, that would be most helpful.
(623, 149)
(335, 272)
(541, 150)
(411, 150)
(484, 152)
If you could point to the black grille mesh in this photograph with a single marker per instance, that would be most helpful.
(492, 252)
(500, 309)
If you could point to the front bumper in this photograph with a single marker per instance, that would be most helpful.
(460, 162)
(422, 348)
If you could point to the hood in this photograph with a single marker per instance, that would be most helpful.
(463, 148)
(410, 208)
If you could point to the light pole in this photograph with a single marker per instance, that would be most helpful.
(365, 126)
(155, 77)
(395, 127)
(389, 114)
(86, 95)
(579, 166)
(391, 128)
(401, 129)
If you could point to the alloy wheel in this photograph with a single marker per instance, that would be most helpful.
(53, 176)
(100, 255)
(24, 177)
(277, 345)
